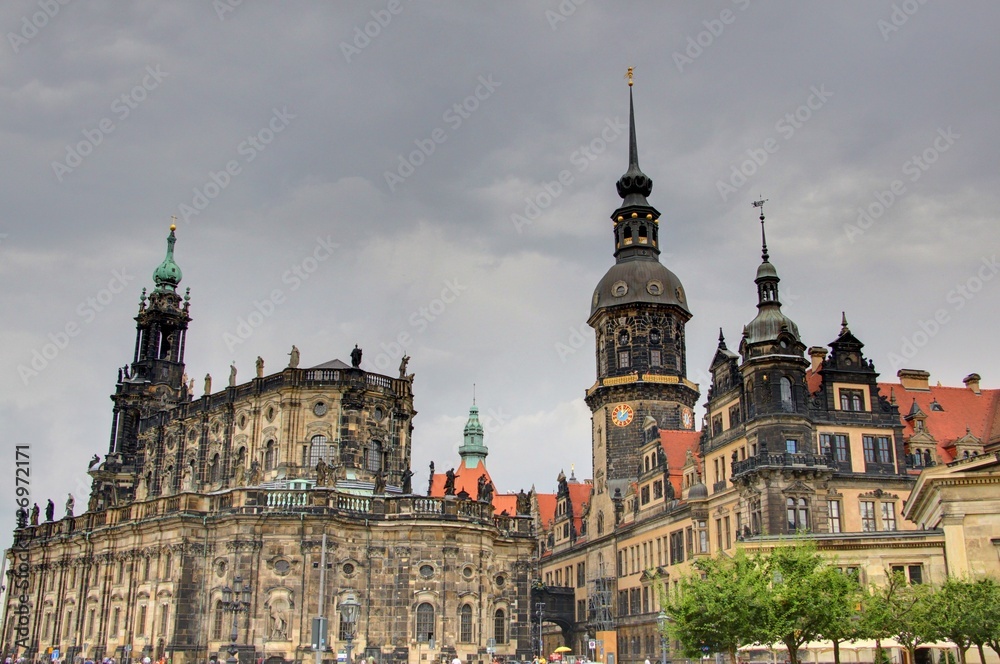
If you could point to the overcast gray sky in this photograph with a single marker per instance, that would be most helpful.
(425, 143)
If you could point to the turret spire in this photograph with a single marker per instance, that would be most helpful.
(763, 238)
(635, 185)
(168, 274)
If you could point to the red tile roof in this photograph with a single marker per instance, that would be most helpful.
(466, 479)
(546, 508)
(676, 444)
(960, 408)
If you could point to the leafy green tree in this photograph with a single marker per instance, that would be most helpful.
(807, 596)
(955, 614)
(719, 605)
(841, 623)
(983, 615)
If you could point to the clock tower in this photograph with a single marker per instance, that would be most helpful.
(638, 312)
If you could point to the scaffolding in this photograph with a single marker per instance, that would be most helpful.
(599, 600)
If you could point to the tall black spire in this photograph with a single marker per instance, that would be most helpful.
(634, 185)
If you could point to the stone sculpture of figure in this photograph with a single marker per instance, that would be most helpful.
(563, 484)
(278, 622)
(402, 365)
(523, 503)
(449, 482)
(208, 383)
(260, 367)
(379, 484)
(293, 358)
(34, 514)
(22, 518)
(186, 479)
(94, 461)
(167, 481)
(232, 375)
(407, 482)
(255, 474)
(142, 488)
(240, 475)
(668, 489)
(486, 493)
(430, 481)
(480, 484)
(50, 511)
(119, 375)
(128, 375)
(191, 388)
(356, 357)
(321, 469)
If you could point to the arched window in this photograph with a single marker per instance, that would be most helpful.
(166, 566)
(214, 469)
(217, 623)
(600, 523)
(465, 623)
(269, 455)
(319, 448)
(500, 626)
(425, 622)
(375, 456)
(786, 391)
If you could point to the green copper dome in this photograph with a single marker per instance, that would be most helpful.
(168, 274)
(473, 450)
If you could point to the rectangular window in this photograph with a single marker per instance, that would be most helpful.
(623, 359)
(728, 530)
(677, 547)
(792, 446)
(581, 611)
(868, 444)
(840, 448)
(140, 626)
(888, 516)
(644, 495)
(916, 573)
(718, 532)
(833, 515)
(702, 537)
(868, 516)
(116, 614)
(657, 489)
(717, 425)
(690, 541)
(883, 449)
(654, 358)
(581, 575)
(826, 444)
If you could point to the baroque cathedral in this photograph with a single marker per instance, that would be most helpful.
(277, 520)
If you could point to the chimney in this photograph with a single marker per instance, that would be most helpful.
(818, 354)
(972, 382)
(914, 379)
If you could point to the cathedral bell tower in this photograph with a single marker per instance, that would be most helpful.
(151, 382)
(638, 313)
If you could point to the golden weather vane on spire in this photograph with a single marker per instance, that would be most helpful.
(173, 222)
(628, 75)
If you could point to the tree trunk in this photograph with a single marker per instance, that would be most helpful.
(732, 655)
(793, 653)
(961, 654)
(982, 655)
(878, 651)
(836, 651)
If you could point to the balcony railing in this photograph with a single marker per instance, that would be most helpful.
(782, 460)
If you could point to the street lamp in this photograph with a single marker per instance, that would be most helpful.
(236, 600)
(349, 610)
(661, 621)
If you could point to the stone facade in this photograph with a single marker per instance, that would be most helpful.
(249, 482)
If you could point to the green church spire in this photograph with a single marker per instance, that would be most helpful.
(168, 274)
(473, 451)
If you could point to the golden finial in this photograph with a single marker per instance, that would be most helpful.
(628, 75)
(173, 218)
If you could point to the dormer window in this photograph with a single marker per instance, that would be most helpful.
(936, 406)
(918, 425)
(852, 400)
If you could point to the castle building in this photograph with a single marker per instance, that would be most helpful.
(295, 484)
(795, 441)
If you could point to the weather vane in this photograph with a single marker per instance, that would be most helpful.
(763, 238)
(628, 75)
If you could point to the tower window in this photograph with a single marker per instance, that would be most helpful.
(623, 337)
(654, 336)
(654, 358)
(319, 448)
(624, 359)
(375, 456)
